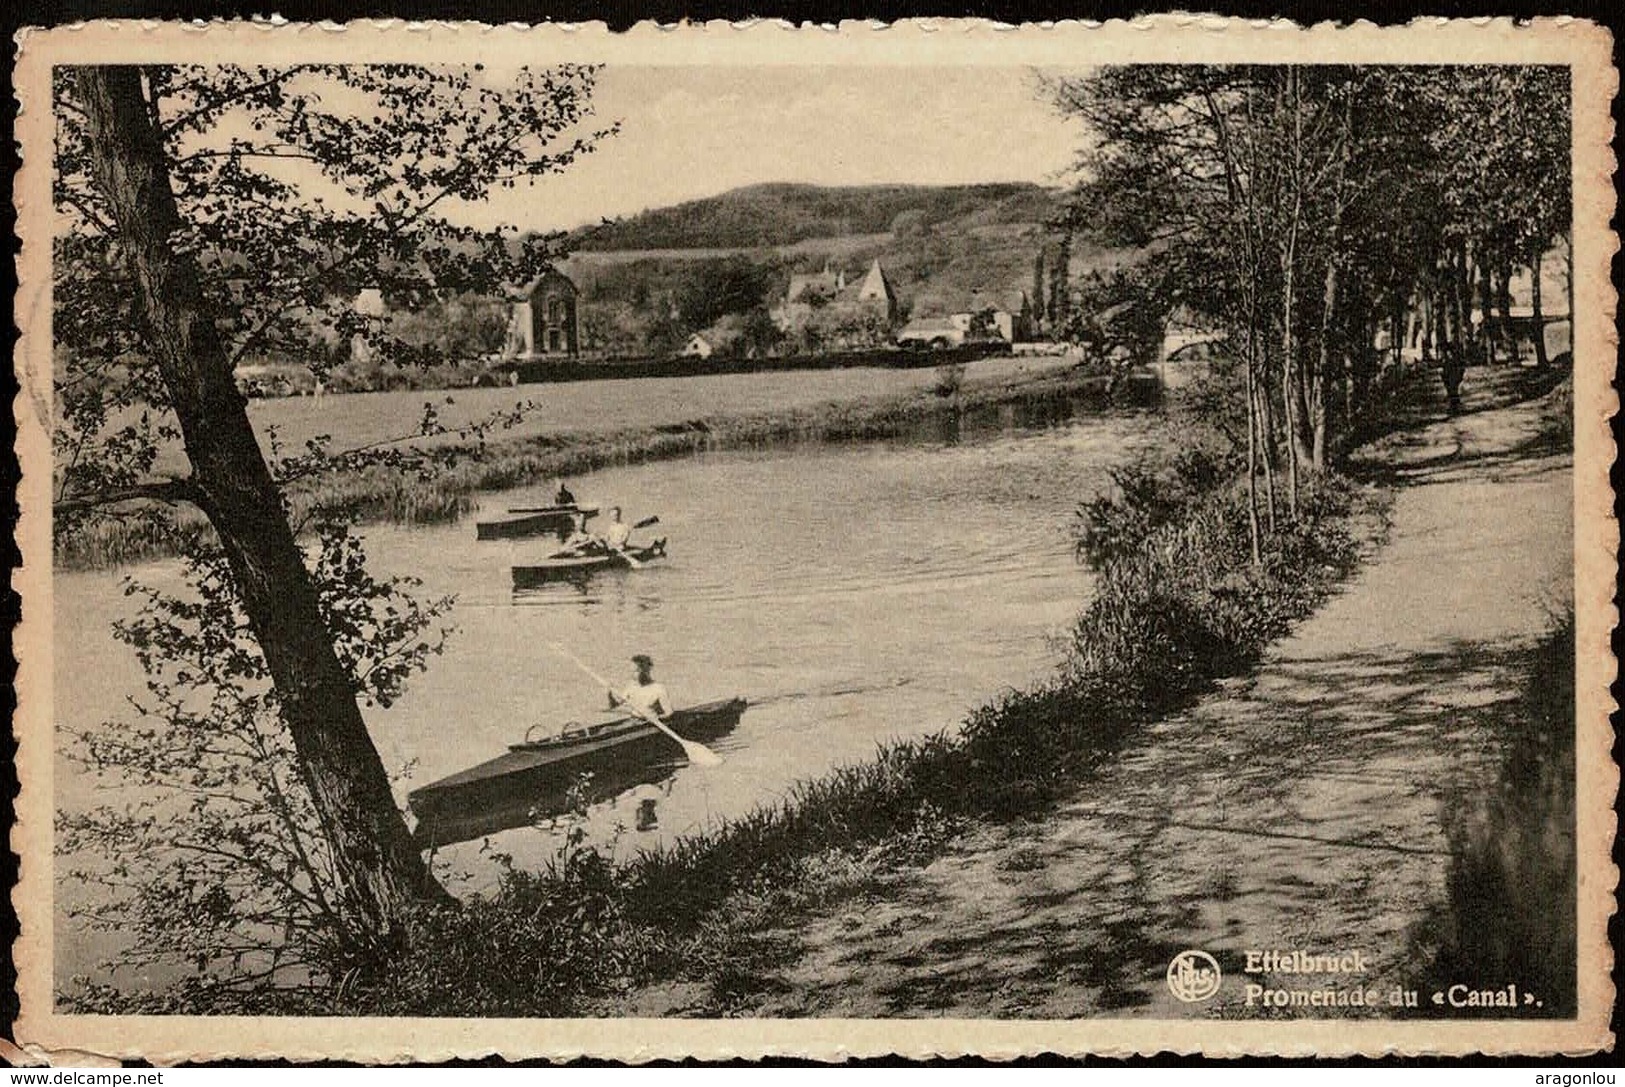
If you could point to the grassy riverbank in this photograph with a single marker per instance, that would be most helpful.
(450, 488)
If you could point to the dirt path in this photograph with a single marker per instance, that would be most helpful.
(1298, 809)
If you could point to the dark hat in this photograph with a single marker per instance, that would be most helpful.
(643, 659)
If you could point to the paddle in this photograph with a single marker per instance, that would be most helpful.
(698, 754)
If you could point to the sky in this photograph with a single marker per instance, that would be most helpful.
(689, 132)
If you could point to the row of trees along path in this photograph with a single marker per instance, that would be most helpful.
(1301, 808)
(1313, 213)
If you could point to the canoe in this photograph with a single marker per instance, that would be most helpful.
(570, 567)
(532, 780)
(537, 521)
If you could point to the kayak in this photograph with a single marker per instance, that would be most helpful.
(532, 780)
(537, 521)
(566, 566)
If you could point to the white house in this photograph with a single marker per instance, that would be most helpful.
(698, 347)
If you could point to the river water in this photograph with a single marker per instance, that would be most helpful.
(852, 594)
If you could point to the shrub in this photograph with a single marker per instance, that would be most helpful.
(1179, 601)
(1144, 496)
(541, 945)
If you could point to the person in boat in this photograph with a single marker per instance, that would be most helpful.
(564, 497)
(580, 541)
(646, 696)
(617, 534)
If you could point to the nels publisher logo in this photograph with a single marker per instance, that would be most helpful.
(1193, 976)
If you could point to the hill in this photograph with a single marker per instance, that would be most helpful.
(782, 214)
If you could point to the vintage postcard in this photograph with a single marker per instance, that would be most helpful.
(736, 540)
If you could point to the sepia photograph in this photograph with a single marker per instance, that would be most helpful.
(747, 540)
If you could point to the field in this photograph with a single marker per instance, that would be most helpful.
(615, 405)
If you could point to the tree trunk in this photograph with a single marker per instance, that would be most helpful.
(1289, 379)
(1503, 306)
(1486, 306)
(1038, 292)
(1266, 430)
(1317, 385)
(1430, 323)
(1536, 311)
(1289, 258)
(379, 870)
(1399, 329)
(1060, 289)
(1460, 317)
(1252, 451)
(1467, 333)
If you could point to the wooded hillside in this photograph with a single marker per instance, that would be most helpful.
(772, 215)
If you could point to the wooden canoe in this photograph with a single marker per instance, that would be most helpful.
(531, 781)
(537, 521)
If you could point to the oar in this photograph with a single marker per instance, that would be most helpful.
(698, 754)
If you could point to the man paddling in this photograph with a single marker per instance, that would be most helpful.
(647, 696)
(617, 534)
(697, 753)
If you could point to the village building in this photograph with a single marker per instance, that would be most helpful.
(1010, 314)
(544, 322)
(830, 294)
(979, 316)
(699, 346)
(1518, 324)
